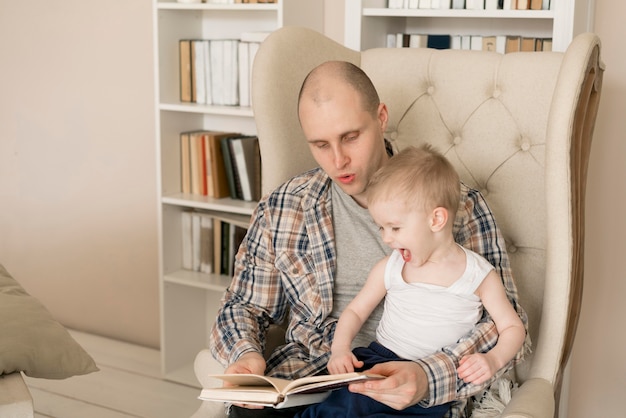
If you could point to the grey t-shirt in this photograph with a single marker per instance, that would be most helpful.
(359, 247)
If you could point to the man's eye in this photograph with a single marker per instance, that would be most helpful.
(395, 229)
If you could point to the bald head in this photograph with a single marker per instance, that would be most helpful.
(318, 86)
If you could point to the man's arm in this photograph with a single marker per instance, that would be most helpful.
(253, 299)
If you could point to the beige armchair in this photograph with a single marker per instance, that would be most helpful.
(517, 127)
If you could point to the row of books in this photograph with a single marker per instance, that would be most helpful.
(220, 164)
(226, 1)
(470, 4)
(209, 244)
(238, 1)
(218, 71)
(499, 43)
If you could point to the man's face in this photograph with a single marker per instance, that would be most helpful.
(346, 141)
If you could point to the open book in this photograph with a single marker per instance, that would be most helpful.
(279, 393)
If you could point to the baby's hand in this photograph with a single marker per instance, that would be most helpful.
(476, 368)
(343, 362)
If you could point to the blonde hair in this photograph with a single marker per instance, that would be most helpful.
(422, 176)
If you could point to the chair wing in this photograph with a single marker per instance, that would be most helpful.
(517, 127)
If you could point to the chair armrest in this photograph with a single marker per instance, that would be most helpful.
(203, 366)
(533, 399)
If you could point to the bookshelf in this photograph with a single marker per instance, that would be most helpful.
(368, 21)
(189, 299)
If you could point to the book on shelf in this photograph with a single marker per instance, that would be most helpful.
(279, 393)
(205, 242)
(249, 43)
(209, 71)
(209, 243)
(438, 41)
(197, 241)
(497, 43)
(527, 44)
(489, 43)
(475, 4)
(246, 165)
(470, 4)
(184, 53)
(219, 182)
(224, 71)
(229, 170)
(492, 4)
(198, 76)
(512, 43)
(197, 167)
(458, 4)
(244, 68)
(203, 171)
(418, 40)
(187, 240)
(185, 163)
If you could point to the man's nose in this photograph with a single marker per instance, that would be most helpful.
(341, 159)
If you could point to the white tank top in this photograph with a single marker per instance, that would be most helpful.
(421, 318)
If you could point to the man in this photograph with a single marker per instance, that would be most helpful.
(312, 243)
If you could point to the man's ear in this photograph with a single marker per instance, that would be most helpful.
(383, 117)
(438, 219)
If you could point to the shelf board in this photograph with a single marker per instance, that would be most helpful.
(209, 6)
(207, 109)
(199, 280)
(227, 205)
(462, 13)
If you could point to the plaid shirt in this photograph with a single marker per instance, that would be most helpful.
(286, 266)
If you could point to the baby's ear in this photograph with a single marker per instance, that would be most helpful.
(439, 219)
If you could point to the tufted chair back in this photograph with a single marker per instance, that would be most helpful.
(517, 127)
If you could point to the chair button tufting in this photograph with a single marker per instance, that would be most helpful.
(456, 140)
(525, 146)
(511, 248)
(496, 93)
(393, 135)
(430, 90)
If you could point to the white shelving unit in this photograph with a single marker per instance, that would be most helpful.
(189, 300)
(369, 21)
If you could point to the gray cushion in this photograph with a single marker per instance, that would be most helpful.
(32, 341)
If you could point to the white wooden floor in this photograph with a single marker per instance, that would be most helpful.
(127, 385)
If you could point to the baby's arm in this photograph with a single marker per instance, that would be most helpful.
(478, 368)
(352, 318)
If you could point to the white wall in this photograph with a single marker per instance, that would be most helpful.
(77, 161)
(77, 180)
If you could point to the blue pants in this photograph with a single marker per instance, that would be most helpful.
(342, 403)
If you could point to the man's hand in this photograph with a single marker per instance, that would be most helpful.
(251, 362)
(405, 384)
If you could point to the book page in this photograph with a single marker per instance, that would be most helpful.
(254, 380)
(306, 384)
